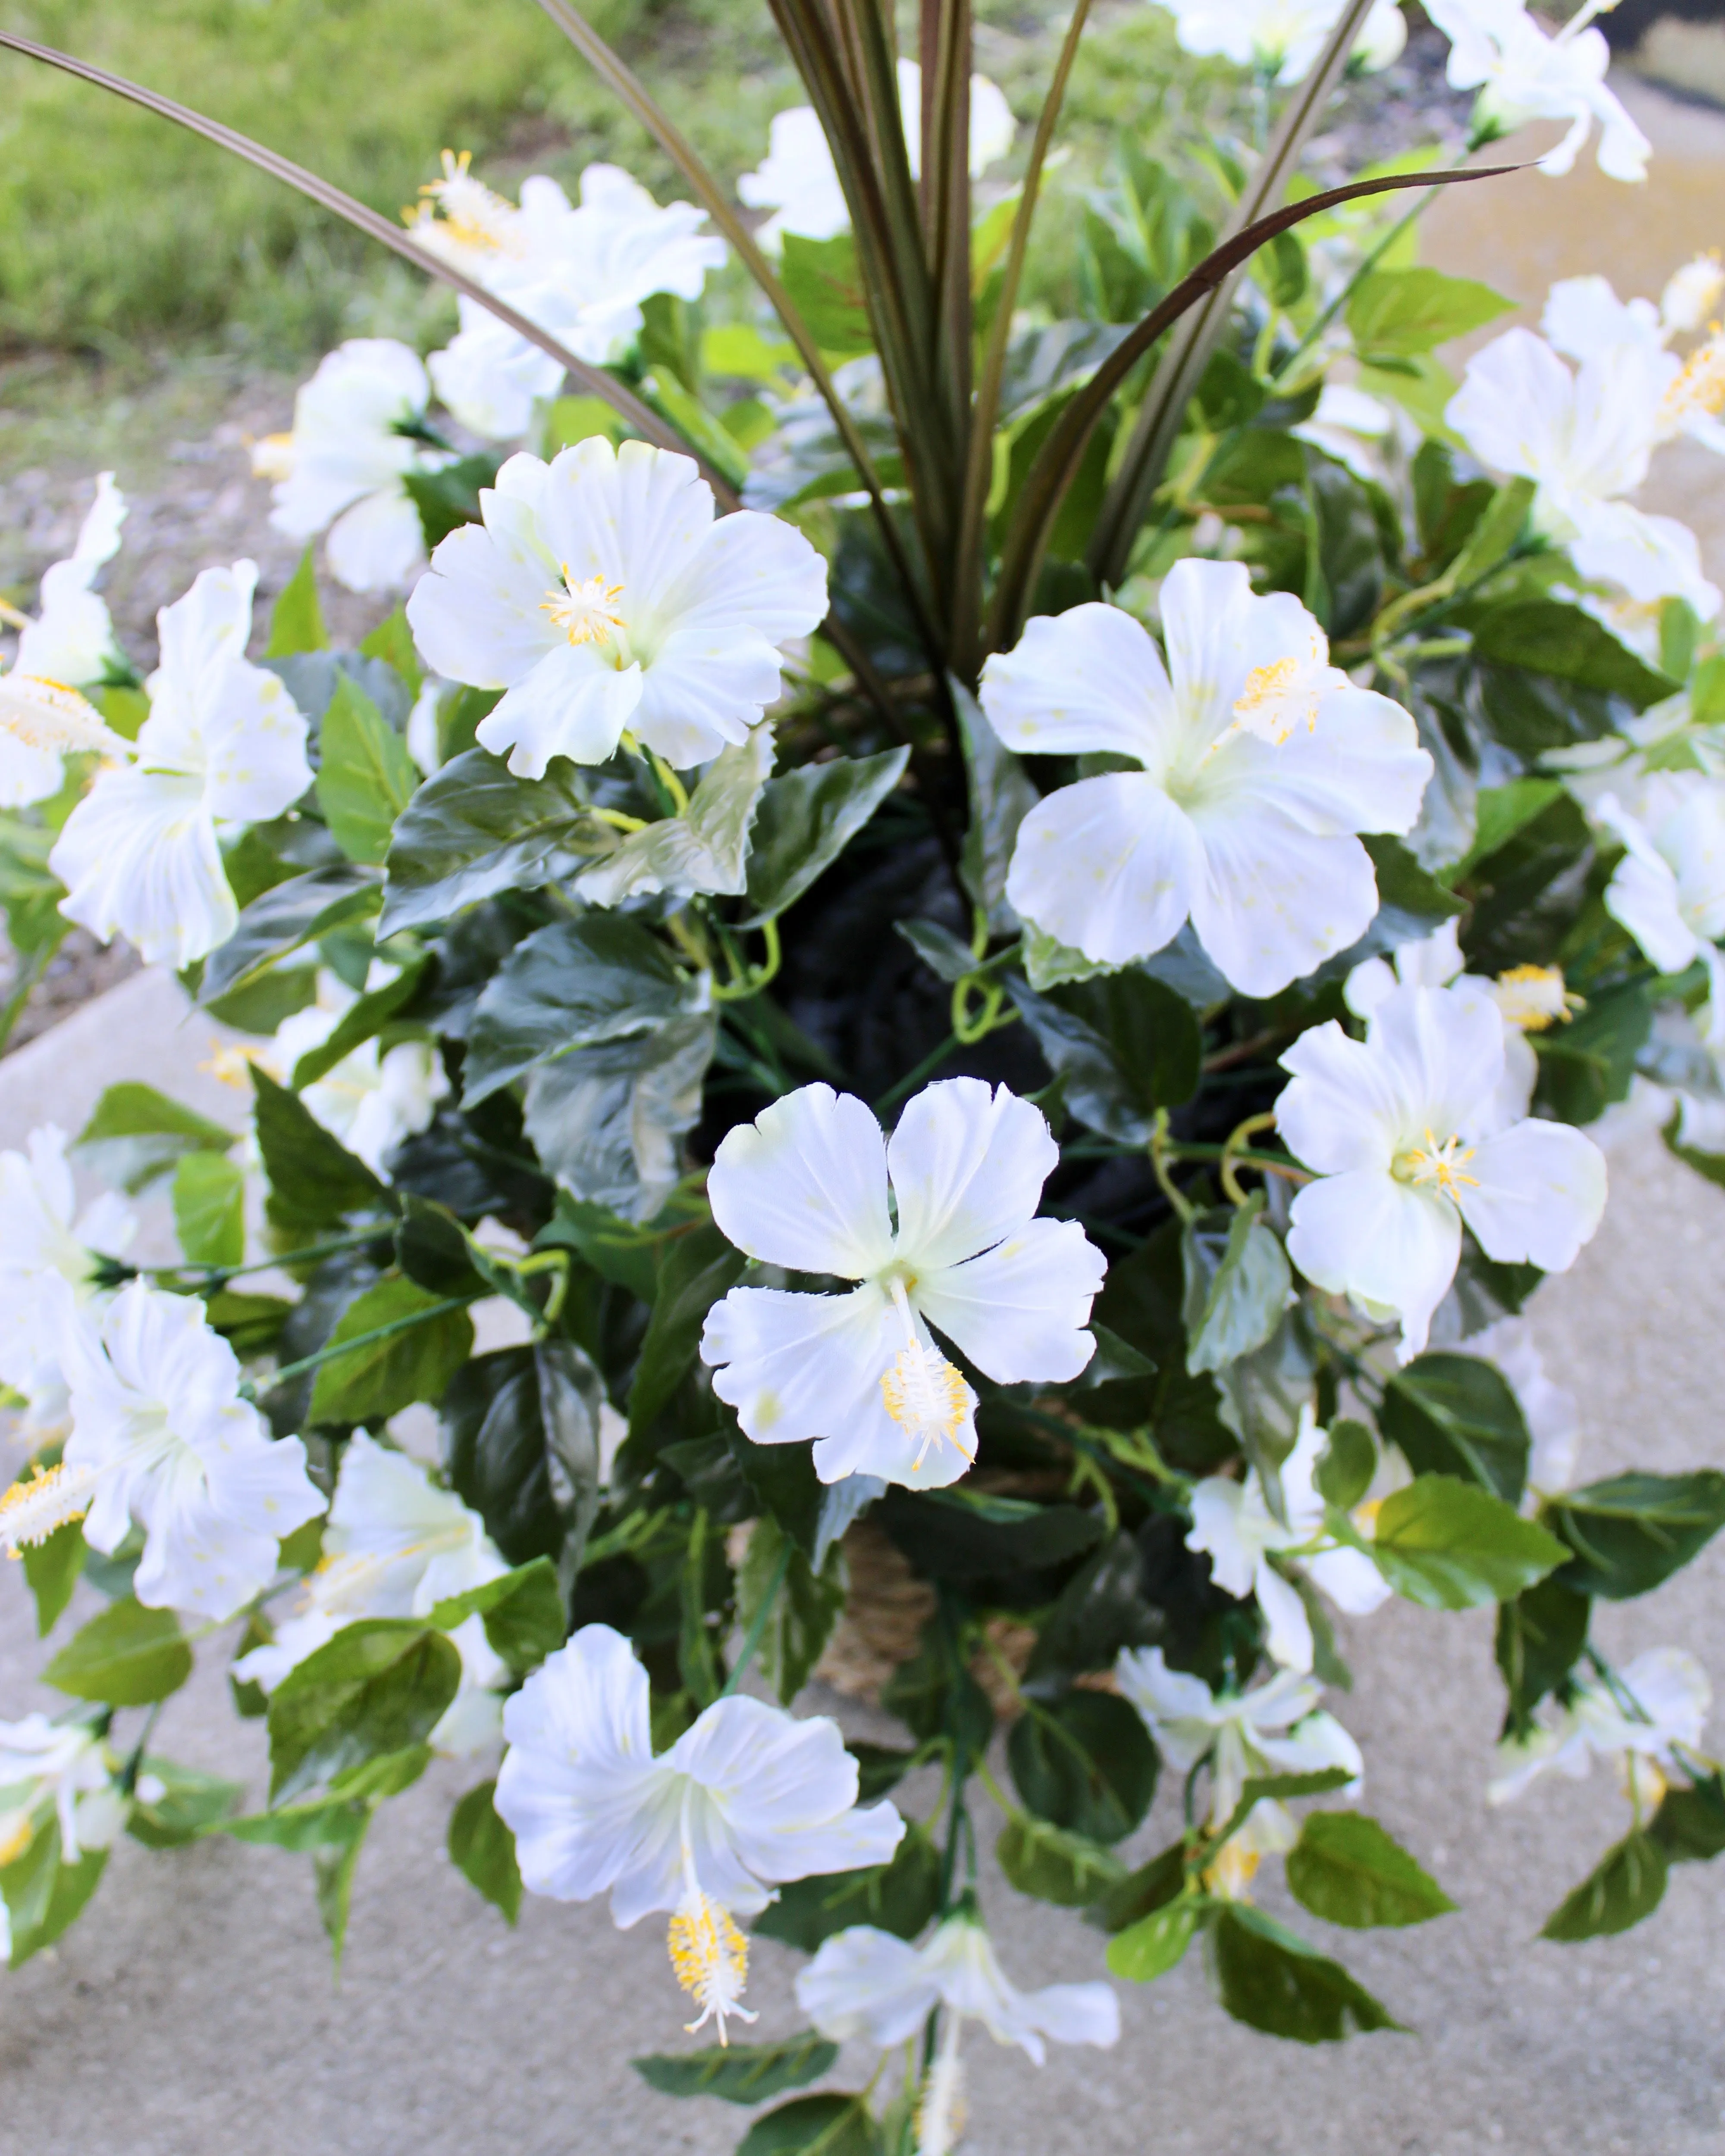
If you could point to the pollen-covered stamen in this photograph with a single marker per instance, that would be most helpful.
(1699, 391)
(711, 1959)
(586, 612)
(47, 715)
(1533, 997)
(31, 1510)
(940, 2117)
(473, 216)
(925, 1394)
(1440, 1164)
(1283, 695)
(1228, 1875)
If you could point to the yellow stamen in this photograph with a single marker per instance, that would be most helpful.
(273, 457)
(1700, 388)
(1232, 1871)
(925, 1395)
(940, 2117)
(47, 715)
(31, 1512)
(1535, 997)
(1277, 697)
(17, 1830)
(711, 1959)
(586, 613)
(473, 216)
(1441, 1164)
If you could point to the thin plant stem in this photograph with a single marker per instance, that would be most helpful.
(757, 1629)
(330, 1355)
(912, 1079)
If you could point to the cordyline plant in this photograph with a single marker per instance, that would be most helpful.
(1064, 1158)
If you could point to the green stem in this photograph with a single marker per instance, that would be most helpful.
(30, 975)
(218, 1274)
(360, 1340)
(757, 1629)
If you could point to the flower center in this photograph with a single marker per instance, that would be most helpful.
(925, 1395)
(1277, 699)
(711, 1959)
(473, 216)
(1533, 997)
(940, 2116)
(587, 613)
(1438, 1164)
(30, 1511)
(1232, 1872)
(1700, 389)
(47, 714)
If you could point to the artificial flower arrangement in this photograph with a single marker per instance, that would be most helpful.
(941, 942)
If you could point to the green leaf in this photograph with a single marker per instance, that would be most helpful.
(380, 1686)
(315, 1183)
(209, 1209)
(1591, 1062)
(332, 1870)
(899, 1897)
(1546, 636)
(1451, 1545)
(1084, 1762)
(392, 642)
(1000, 796)
(474, 828)
(523, 1610)
(1526, 891)
(833, 2125)
(1101, 1610)
(1124, 1047)
(1689, 1825)
(600, 977)
(1347, 1464)
(1401, 313)
(51, 1568)
(372, 1382)
(520, 1441)
(1271, 1979)
(705, 847)
(53, 1893)
(482, 1849)
(741, 2073)
(250, 1324)
(1632, 1531)
(126, 1655)
(1455, 1415)
(1151, 1947)
(367, 776)
(362, 1022)
(1410, 902)
(879, 1769)
(1627, 1884)
(282, 921)
(1540, 1636)
(607, 1122)
(806, 820)
(1347, 1870)
(962, 1534)
(1499, 530)
(191, 1803)
(826, 289)
(1237, 1284)
(1056, 1865)
(694, 1270)
(808, 1606)
(938, 948)
(137, 1134)
(297, 624)
(435, 1251)
(1152, 1886)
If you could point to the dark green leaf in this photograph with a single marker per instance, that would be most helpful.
(1401, 313)
(1502, 811)
(475, 829)
(1689, 1825)
(449, 497)
(137, 1134)
(1000, 796)
(785, 1484)
(1237, 1284)
(814, 2125)
(1100, 1611)
(1410, 902)
(315, 1183)
(1267, 1977)
(51, 1569)
(1152, 1946)
(1124, 1047)
(741, 2073)
(1347, 1464)
(209, 1209)
(332, 1870)
(1347, 1870)
(521, 1441)
(286, 917)
(1056, 1865)
(190, 1804)
(1498, 528)
(1586, 1065)
(805, 821)
(482, 1849)
(296, 623)
(1527, 892)
(806, 1608)
(367, 776)
(879, 1769)
(695, 1269)
(250, 1324)
(523, 1610)
(371, 1383)
(126, 1655)
(899, 1897)
(956, 1534)
(1455, 1415)
(1627, 1884)
(939, 1700)
(1540, 1636)
(938, 948)
(363, 1022)
(1631, 1533)
(1547, 637)
(1085, 1762)
(1284, 1788)
(380, 1686)
(1152, 1886)
(433, 1250)
(606, 1121)
(1451, 1545)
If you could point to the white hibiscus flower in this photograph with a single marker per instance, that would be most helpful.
(1233, 1525)
(1283, 37)
(45, 1238)
(1643, 1723)
(1669, 889)
(395, 1546)
(798, 181)
(1522, 72)
(159, 1426)
(581, 273)
(59, 1770)
(748, 1797)
(1260, 761)
(224, 744)
(1399, 1127)
(375, 1096)
(343, 466)
(806, 1186)
(600, 594)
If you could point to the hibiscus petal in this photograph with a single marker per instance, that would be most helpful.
(573, 703)
(1110, 866)
(1020, 1311)
(1538, 1194)
(197, 1557)
(1217, 1504)
(968, 1163)
(1214, 639)
(1344, 1110)
(866, 1986)
(255, 746)
(378, 544)
(477, 614)
(1359, 768)
(139, 859)
(804, 1185)
(1288, 1634)
(1350, 1579)
(1366, 1235)
(1444, 1051)
(796, 1367)
(1274, 901)
(1082, 682)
